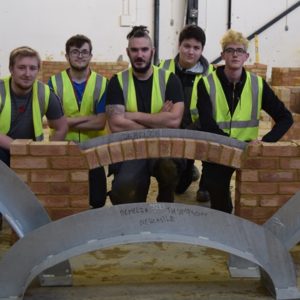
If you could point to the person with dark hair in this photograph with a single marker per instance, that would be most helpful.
(24, 101)
(83, 95)
(142, 97)
(190, 65)
(230, 101)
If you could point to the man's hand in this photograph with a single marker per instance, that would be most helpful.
(167, 107)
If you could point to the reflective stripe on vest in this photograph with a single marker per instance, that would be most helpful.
(160, 79)
(169, 64)
(40, 101)
(246, 114)
(95, 87)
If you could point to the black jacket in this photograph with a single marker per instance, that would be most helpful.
(270, 104)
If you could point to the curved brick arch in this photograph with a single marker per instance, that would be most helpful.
(154, 143)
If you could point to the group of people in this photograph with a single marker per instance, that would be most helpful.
(183, 92)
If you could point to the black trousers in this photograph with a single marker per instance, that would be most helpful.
(5, 156)
(217, 183)
(97, 187)
(132, 180)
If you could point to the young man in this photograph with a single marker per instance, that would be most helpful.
(135, 101)
(24, 101)
(190, 65)
(229, 103)
(83, 95)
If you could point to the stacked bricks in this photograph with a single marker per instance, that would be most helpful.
(269, 176)
(258, 69)
(285, 77)
(106, 69)
(56, 172)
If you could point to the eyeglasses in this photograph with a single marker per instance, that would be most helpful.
(232, 51)
(77, 53)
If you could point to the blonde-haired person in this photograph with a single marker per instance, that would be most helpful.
(24, 101)
(229, 103)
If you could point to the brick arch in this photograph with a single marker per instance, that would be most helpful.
(155, 143)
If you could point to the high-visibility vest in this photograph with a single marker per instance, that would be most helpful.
(169, 64)
(243, 124)
(94, 89)
(40, 101)
(160, 80)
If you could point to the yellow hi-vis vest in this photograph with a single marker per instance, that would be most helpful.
(94, 89)
(169, 64)
(243, 124)
(40, 101)
(160, 80)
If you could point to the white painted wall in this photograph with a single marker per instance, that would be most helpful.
(46, 25)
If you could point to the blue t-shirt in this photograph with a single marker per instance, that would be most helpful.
(79, 90)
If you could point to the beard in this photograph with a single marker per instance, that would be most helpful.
(141, 70)
(79, 68)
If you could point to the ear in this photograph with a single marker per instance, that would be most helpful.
(67, 57)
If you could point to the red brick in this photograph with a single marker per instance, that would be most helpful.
(280, 149)
(103, 155)
(249, 200)
(274, 200)
(258, 188)
(214, 152)
(28, 162)
(40, 188)
(289, 188)
(177, 148)
(260, 163)
(20, 147)
(248, 175)
(79, 176)
(153, 147)
(190, 149)
(69, 162)
(254, 150)
(226, 155)
(140, 146)
(80, 201)
(115, 152)
(54, 201)
(59, 213)
(49, 176)
(59, 188)
(237, 159)
(253, 213)
(165, 147)
(74, 149)
(79, 188)
(201, 150)
(128, 149)
(290, 163)
(91, 158)
(24, 176)
(48, 148)
(278, 176)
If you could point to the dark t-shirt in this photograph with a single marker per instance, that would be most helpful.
(21, 115)
(143, 89)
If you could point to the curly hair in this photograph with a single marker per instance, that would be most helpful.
(138, 31)
(233, 37)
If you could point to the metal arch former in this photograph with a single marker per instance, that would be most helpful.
(132, 223)
(24, 213)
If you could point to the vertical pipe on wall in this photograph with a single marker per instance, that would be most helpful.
(156, 31)
(229, 14)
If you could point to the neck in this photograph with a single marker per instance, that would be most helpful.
(143, 76)
(79, 75)
(233, 76)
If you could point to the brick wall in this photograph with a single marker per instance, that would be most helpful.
(106, 69)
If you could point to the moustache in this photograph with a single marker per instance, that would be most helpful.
(139, 60)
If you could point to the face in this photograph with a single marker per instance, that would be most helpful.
(23, 73)
(79, 58)
(140, 53)
(190, 51)
(235, 56)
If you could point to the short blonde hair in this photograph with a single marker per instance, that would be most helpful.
(233, 37)
(23, 51)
